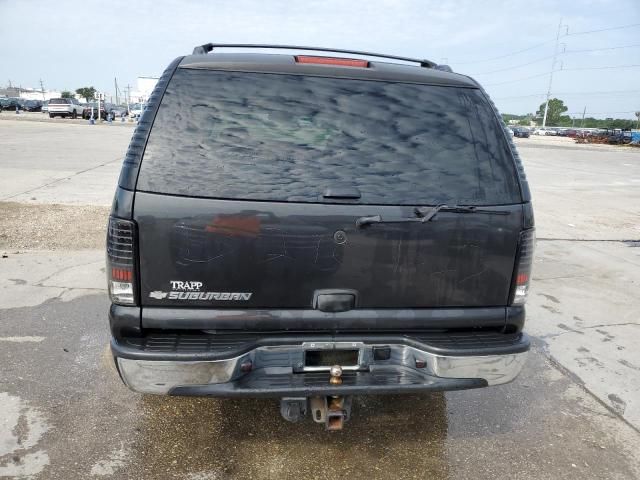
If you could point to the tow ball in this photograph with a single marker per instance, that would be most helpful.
(333, 410)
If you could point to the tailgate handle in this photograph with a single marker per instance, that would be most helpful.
(341, 192)
(334, 300)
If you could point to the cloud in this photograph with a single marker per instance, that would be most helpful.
(125, 39)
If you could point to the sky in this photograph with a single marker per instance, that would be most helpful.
(506, 45)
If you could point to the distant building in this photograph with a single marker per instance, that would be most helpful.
(144, 87)
(10, 92)
(29, 93)
(33, 94)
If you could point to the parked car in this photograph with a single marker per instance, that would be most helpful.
(521, 132)
(10, 103)
(92, 109)
(619, 136)
(117, 111)
(584, 133)
(64, 107)
(32, 105)
(311, 228)
(136, 109)
(45, 107)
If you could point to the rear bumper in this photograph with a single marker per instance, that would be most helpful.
(279, 370)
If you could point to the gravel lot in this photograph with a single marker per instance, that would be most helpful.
(51, 227)
(573, 413)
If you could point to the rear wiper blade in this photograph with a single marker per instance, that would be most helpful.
(368, 220)
(427, 214)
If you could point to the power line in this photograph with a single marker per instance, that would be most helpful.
(604, 29)
(599, 113)
(551, 56)
(600, 68)
(598, 92)
(514, 67)
(518, 79)
(538, 45)
(517, 97)
(563, 70)
(612, 92)
(602, 49)
(506, 55)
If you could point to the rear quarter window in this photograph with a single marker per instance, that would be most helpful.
(257, 136)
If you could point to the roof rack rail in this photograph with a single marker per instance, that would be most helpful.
(206, 48)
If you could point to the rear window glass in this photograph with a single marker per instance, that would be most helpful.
(59, 101)
(256, 136)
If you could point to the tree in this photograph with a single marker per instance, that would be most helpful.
(88, 93)
(66, 94)
(507, 117)
(563, 121)
(555, 111)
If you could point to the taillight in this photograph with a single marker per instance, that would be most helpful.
(522, 272)
(121, 265)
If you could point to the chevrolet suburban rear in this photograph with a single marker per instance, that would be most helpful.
(314, 227)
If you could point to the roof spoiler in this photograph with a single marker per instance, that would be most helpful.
(208, 47)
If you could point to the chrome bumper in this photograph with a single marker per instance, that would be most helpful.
(162, 376)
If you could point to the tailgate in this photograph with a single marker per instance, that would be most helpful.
(242, 254)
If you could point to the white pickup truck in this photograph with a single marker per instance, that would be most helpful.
(136, 109)
(64, 107)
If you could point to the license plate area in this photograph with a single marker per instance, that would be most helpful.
(324, 359)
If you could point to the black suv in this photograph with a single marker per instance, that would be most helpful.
(521, 132)
(314, 227)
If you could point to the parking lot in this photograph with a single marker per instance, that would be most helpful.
(574, 412)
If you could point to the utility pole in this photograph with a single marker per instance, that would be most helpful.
(583, 114)
(115, 81)
(128, 97)
(553, 67)
(42, 89)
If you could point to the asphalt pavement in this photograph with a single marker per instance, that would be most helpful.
(572, 413)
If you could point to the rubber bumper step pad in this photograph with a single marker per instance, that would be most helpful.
(381, 380)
